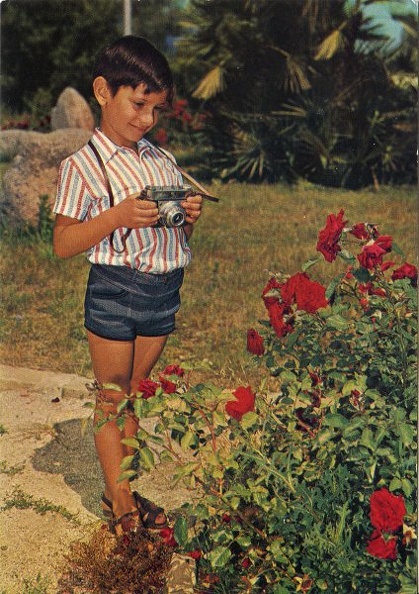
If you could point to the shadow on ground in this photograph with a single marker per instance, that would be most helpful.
(72, 454)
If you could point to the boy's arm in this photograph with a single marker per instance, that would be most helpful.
(72, 236)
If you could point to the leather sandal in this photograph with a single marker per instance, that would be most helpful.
(128, 522)
(107, 507)
(148, 512)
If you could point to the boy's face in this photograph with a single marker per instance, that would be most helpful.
(130, 114)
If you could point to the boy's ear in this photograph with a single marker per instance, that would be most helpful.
(101, 90)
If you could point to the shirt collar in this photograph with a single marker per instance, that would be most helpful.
(108, 148)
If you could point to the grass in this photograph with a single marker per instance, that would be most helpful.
(20, 500)
(253, 231)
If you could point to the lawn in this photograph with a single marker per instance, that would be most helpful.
(252, 232)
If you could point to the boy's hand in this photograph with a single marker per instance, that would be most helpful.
(135, 213)
(193, 208)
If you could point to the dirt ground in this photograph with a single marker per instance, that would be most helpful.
(50, 483)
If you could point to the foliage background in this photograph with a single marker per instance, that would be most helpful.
(275, 90)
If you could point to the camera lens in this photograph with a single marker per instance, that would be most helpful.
(177, 219)
(171, 214)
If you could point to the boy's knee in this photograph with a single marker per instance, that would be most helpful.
(107, 400)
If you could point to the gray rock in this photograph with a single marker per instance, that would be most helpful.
(33, 171)
(72, 111)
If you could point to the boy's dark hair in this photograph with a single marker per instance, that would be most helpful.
(130, 61)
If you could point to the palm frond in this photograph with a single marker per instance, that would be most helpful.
(295, 78)
(333, 43)
(211, 84)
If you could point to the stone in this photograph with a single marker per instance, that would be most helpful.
(33, 172)
(72, 111)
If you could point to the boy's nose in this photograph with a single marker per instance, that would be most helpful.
(147, 118)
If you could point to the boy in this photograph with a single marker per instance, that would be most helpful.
(137, 266)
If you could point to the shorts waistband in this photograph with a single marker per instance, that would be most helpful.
(126, 273)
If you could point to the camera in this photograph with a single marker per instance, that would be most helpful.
(168, 199)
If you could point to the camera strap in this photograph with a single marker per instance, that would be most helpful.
(111, 198)
(203, 191)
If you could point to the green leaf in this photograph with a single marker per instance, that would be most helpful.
(277, 550)
(367, 439)
(309, 263)
(397, 249)
(336, 420)
(362, 275)
(219, 557)
(395, 484)
(347, 256)
(165, 457)
(337, 322)
(331, 288)
(407, 433)
(287, 376)
(126, 475)
(278, 589)
(324, 436)
(187, 440)
(131, 442)
(407, 487)
(249, 419)
(180, 531)
(407, 589)
(147, 459)
(127, 462)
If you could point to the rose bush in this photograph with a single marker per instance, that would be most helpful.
(310, 487)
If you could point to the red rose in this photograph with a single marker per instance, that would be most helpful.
(382, 548)
(148, 388)
(245, 563)
(168, 386)
(329, 237)
(360, 231)
(307, 294)
(255, 343)
(167, 535)
(384, 241)
(386, 265)
(387, 511)
(245, 402)
(406, 271)
(371, 256)
(173, 370)
(276, 313)
(195, 554)
(272, 284)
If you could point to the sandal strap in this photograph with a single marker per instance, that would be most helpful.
(149, 512)
(107, 507)
(129, 522)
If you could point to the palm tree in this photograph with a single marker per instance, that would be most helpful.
(294, 88)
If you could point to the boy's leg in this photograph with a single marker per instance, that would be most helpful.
(123, 363)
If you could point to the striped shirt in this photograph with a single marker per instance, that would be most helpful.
(82, 195)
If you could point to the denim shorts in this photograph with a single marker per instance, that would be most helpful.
(122, 303)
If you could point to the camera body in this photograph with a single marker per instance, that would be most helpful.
(168, 199)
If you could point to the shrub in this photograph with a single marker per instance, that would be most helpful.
(311, 487)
